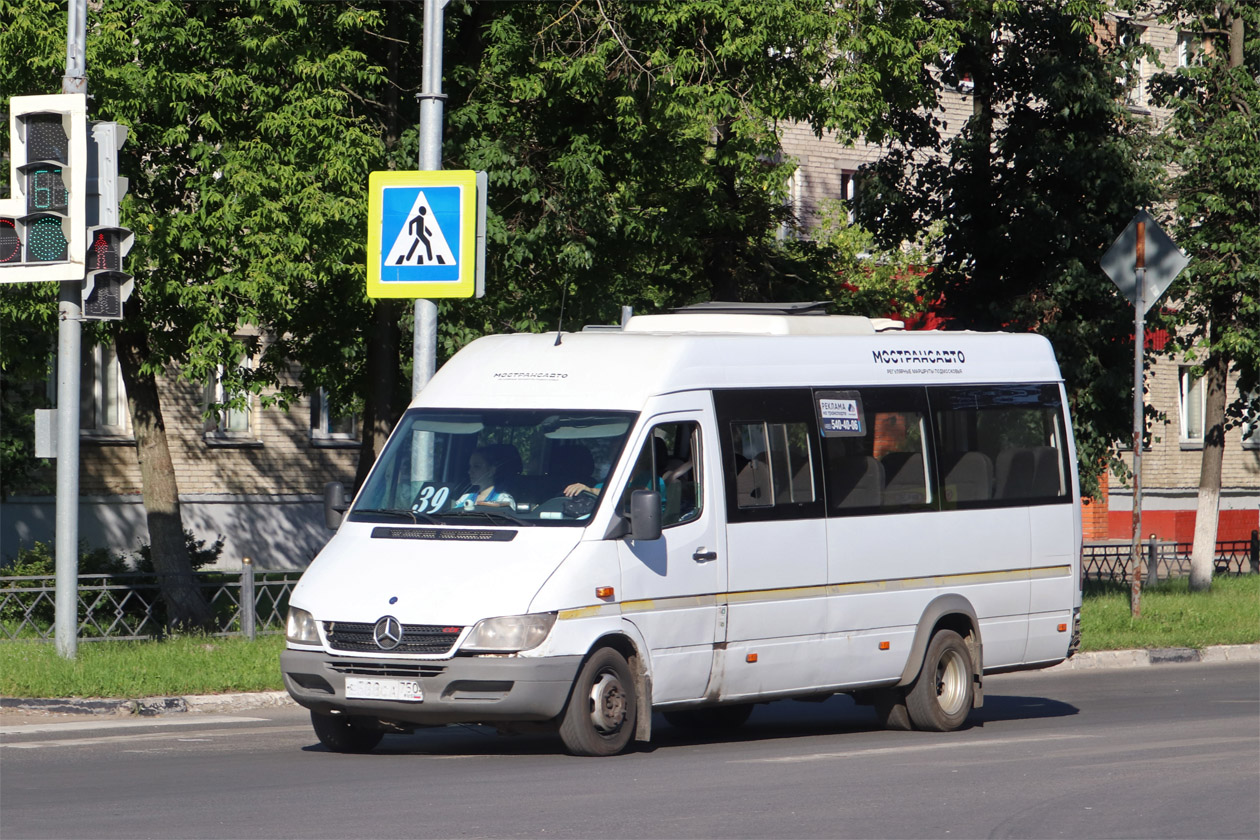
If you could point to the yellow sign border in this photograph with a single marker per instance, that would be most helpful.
(465, 286)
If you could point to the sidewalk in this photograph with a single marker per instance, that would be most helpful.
(12, 708)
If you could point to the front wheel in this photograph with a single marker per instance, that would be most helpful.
(602, 710)
(340, 733)
(941, 696)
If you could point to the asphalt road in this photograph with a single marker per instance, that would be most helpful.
(1167, 751)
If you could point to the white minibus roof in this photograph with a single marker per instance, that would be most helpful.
(659, 354)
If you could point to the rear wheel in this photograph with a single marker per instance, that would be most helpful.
(715, 719)
(601, 714)
(341, 733)
(941, 696)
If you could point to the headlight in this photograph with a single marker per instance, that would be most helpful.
(301, 628)
(509, 633)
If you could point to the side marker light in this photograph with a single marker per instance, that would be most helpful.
(885, 646)
(752, 657)
(605, 592)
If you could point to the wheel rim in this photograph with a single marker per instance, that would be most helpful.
(951, 682)
(608, 703)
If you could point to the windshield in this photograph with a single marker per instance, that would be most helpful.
(494, 467)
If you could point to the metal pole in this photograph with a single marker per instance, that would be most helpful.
(424, 330)
(249, 600)
(1139, 420)
(69, 350)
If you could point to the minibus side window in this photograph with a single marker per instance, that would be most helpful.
(877, 460)
(670, 464)
(1001, 445)
(774, 464)
(770, 454)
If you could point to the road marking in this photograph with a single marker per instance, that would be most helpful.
(150, 736)
(909, 748)
(79, 726)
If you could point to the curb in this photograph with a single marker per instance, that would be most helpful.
(150, 706)
(1141, 658)
(226, 703)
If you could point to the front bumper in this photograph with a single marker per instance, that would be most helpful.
(460, 690)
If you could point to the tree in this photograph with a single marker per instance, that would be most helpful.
(247, 166)
(1030, 191)
(633, 150)
(1215, 127)
(633, 153)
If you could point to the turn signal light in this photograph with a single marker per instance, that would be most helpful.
(885, 646)
(603, 592)
(752, 657)
(1062, 628)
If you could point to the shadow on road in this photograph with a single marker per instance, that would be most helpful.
(782, 720)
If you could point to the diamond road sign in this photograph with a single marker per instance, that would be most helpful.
(1163, 260)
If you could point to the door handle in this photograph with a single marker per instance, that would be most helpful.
(702, 556)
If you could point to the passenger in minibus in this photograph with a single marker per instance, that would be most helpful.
(488, 466)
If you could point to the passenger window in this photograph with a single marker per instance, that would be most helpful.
(875, 455)
(669, 463)
(773, 464)
(1001, 445)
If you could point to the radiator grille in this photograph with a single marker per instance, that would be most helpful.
(406, 670)
(357, 637)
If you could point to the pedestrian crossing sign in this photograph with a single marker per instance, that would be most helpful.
(422, 234)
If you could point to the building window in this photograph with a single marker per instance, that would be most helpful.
(1191, 406)
(1130, 35)
(102, 396)
(233, 418)
(793, 203)
(329, 426)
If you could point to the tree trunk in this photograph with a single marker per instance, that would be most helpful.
(187, 608)
(379, 414)
(1203, 553)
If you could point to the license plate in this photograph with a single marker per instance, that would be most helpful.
(358, 688)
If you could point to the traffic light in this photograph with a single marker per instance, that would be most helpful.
(106, 286)
(42, 222)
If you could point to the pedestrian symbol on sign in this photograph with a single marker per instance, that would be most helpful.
(420, 241)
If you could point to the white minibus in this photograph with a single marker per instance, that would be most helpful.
(694, 513)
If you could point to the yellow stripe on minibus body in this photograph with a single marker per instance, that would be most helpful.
(800, 592)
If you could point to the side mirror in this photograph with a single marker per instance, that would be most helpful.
(645, 515)
(335, 504)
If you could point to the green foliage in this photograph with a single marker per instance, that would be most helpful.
(1044, 174)
(1215, 135)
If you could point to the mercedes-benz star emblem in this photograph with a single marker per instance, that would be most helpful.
(388, 633)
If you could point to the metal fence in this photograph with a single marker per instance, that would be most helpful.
(1168, 559)
(130, 606)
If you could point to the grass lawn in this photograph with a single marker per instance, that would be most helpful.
(174, 666)
(1172, 616)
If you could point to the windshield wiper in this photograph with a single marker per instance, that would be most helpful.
(497, 518)
(414, 516)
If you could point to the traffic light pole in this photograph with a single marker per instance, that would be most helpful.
(424, 329)
(69, 354)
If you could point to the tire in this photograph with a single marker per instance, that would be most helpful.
(341, 734)
(890, 708)
(602, 710)
(940, 698)
(712, 720)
